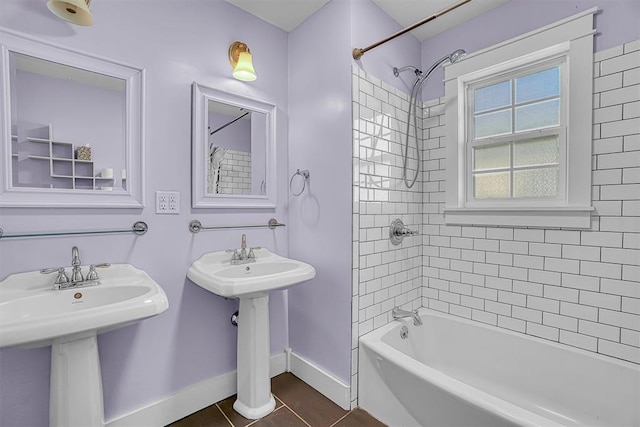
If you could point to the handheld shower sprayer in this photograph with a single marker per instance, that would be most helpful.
(457, 55)
(421, 77)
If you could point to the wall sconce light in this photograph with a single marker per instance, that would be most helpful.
(75, 11)
(242, 62)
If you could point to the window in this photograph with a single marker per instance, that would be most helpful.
(516, 135)
(519, 130)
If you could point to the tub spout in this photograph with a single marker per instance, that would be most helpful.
(398, 313)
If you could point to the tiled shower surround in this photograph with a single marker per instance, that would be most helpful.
(235, 173)
(575, 287)
(384, 275)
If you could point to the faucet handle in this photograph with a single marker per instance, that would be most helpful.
(61, 279)
(93, 274)
(252, 254)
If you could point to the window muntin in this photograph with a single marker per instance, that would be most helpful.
(516, 136)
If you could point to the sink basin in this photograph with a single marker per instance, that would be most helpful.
(32, 314)
(251, 284)
(214, 272)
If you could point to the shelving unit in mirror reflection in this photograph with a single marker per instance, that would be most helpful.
(31, 154)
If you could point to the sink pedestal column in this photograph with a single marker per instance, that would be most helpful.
(254, 382)
(76, 384)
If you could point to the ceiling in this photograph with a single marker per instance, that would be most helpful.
(287, 14)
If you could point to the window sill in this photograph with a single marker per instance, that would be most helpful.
(566, 217)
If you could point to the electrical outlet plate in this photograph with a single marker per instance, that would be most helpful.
(167, 202)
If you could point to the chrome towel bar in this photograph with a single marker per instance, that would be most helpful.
(139, 228)
(195, 226)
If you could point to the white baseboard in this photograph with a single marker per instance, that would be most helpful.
(331, 387)
(190, 399)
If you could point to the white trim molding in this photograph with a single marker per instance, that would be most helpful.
(264, 122)
(571, 39)
(191, 399)
(331, 387)
(131, 78)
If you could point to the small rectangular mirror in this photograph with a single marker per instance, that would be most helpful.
(233, 150)
(71, 128)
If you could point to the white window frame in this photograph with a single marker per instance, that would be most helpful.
(569, 41)
(515, 137)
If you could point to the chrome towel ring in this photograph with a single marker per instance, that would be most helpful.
(305, 176)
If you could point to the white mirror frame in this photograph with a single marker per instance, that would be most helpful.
(133, 197)
(199, 196)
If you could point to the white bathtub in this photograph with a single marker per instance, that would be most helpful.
(454, 372)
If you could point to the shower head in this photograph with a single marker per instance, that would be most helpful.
(397, 71)
(454, 57)
(457, 55)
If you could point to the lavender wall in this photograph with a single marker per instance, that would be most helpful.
(78, 114)
(617, 23)
(320, 230)
(193, 340)
(369, 24)
(321, 133)
(236, 136)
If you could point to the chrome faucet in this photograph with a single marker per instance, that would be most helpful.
(398, 313)
(77, 279)
(76, 272)
(242, 256)
(243, 248)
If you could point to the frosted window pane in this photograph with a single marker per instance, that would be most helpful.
(491, 124)
(492, 97)
(497, 156)
(491, 186)
(536, 183)
(539, 115)
(537, 151)
(543, 84)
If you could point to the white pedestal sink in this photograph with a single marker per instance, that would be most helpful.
(251, 284)
(33, 314)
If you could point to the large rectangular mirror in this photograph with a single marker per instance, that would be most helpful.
(71, 127)
(233, 150)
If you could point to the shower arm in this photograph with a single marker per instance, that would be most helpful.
(358, 52)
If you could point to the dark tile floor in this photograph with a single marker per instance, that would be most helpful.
(297, 405)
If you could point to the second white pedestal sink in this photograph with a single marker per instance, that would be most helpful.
(251, 283)
(33, 314)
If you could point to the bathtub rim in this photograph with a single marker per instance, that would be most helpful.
(377, 335)
(373, 341)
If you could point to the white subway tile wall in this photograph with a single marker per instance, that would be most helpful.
(579, 288)
(384, 275)
(235, 173)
